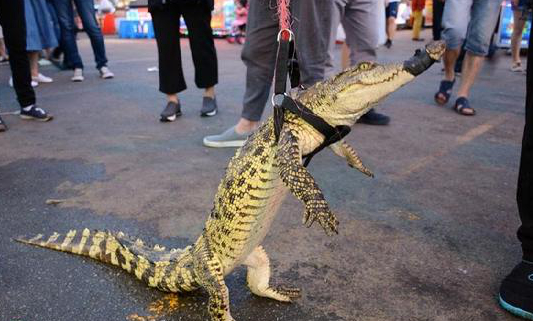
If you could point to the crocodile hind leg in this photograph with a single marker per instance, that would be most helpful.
(259, 275)
(302, 185)
(209, 274)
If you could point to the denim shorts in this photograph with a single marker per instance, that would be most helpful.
(471, 22)
(392, 9)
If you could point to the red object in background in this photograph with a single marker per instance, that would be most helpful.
(418, 5)
(108, 25)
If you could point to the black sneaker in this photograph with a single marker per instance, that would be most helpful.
(3, 126)
(373, 118)
(209, 107)
(171, 112)
(516, 291)
(388, 43)
(35, 113)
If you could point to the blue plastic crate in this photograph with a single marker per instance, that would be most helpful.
(135, 29)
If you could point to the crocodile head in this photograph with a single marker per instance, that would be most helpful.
(345, 97)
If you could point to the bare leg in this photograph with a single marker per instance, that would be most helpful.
(391, 27)
(34, 63)
(244, 126)
(3, 53)
(450, 57)
(471, 66)
(172, 98)
(516, 38)
(210, 92)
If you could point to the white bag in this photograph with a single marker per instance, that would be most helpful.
(106, 7)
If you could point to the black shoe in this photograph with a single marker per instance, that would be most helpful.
(373, 118)
(3, 126)
(388, 43)
(171, 112)
(35, 113)
(209, 107)
(516, 291)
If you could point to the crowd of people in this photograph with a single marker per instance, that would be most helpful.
(33, 26)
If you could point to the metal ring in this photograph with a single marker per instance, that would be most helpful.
(277, 96)
(291, 35)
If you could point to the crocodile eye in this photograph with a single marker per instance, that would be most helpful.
(365, 66)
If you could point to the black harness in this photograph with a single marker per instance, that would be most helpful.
(287, 64)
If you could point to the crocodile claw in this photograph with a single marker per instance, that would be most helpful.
(325, 218)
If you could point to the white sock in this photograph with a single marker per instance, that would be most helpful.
(28, 108)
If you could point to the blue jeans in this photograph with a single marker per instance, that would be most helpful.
(470, 20)
(65, 15)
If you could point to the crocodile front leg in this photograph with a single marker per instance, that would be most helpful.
(302, 184)
(342, 149)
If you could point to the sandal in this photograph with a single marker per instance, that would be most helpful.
(444, 93)
(462, 106)
(517, 67)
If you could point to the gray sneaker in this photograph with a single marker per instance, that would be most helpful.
(209, 107)
(229, 138)
(171, 112)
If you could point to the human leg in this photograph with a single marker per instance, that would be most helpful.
(516, 39)
(85, 9)
(65, 16)
(359, 22)
(516, 290)
(198, 21)
(14, 29)
(484, 16)
(171, 79)
(438, 8)
(417, 24)
(455, 23)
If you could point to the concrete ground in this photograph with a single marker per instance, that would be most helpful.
(429, 238)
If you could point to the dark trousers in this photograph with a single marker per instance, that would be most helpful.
(438, 9)
(13, 24)
(166, 22)
(65, 15)
(525, 176)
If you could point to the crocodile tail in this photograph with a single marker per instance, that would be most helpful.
(99, 245)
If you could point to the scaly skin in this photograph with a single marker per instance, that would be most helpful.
(256, 181)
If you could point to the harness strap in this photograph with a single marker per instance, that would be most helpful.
(331, 134)
(287, 63)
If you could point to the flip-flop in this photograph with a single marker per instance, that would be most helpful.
(445, 90)
(461, 105)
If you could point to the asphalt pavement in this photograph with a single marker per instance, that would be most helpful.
(429, 238)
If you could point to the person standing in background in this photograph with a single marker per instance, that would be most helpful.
(311, 26)
(360, 20)
(516, 289)
(40, 36)
(65, 15)
(438, 9)
(14, 27)
(391, 12)
(166, 19)
(520, 17)
(418, 17)
(470, 22)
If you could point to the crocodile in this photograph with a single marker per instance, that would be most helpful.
(258, 177)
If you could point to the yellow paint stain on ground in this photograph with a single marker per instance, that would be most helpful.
(157, 309)
(459, 141)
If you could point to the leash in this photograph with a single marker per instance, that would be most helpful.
(287, 65)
